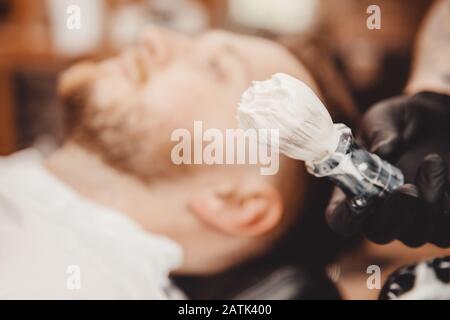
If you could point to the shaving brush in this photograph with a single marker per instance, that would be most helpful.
(307, 133)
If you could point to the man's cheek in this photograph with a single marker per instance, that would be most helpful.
(107, 92)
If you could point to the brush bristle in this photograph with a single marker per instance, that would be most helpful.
(306, 129)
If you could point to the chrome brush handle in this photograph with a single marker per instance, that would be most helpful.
(363, 176)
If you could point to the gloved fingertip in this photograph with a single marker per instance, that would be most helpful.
(390, 218)
(413, 241)
(343, 221)
(405, 191)
(435, 162)
(337, 197)
(387, 148)
(409, 202)
(432, 178)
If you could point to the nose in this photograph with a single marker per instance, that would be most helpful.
(159, 42)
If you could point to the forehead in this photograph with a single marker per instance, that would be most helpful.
(213, 38)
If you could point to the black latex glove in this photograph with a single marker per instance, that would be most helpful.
(402, 129)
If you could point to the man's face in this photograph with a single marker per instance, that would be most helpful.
(166, 82)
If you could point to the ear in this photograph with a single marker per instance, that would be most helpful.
(248, 212)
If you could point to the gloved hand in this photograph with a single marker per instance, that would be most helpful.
(417, 212)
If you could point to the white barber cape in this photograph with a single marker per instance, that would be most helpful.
(55, 244)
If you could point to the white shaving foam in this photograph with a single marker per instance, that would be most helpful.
(306, 129)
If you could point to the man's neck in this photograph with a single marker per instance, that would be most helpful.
(90, 176)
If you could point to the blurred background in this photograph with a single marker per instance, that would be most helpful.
(354, 67)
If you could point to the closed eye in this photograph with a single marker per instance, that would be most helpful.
(217, 67)
(225, 59)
